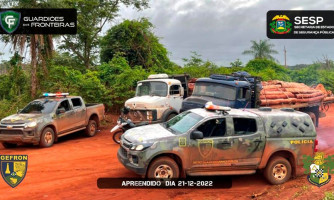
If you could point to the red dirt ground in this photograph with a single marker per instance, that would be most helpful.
(70, 168)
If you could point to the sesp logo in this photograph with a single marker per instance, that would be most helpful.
(10, 20)
(13, 168)
(280, 25)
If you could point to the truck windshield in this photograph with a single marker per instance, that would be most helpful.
(153, 88)
(182, 122)
(215, 90)
(40, 106)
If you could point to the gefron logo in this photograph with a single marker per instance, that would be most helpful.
(10, 20)
(280, 25)
(13, 168)
(319, 168)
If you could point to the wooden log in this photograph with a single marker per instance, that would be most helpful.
(300, 90)
(309, 100)
(277, 93)
(277, 96)
(329, 99)
(277, 101)
(271, 86)
(315, 94)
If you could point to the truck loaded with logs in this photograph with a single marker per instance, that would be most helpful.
(240, 90)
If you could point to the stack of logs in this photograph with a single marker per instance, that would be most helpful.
(279, 93)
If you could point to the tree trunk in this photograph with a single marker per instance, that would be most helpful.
(33, 66)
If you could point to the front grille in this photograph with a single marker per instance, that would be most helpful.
(126, 144)
(124, 152)
(12, 125)
(141, 115)
(11, 132)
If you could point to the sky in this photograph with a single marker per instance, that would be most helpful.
(220, 30)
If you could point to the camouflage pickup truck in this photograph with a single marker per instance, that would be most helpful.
(221, 141)
(46, 119)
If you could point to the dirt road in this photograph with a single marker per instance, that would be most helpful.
(70, 168)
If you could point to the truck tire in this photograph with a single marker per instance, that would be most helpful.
(47, 137)
(8, 145)
(163, 168)
(91, 128)
(312, 115)
(170, 116)
(278, 170)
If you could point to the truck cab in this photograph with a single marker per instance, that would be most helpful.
(235, 91)
(157, 99)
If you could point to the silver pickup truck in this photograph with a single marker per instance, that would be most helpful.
(46, 119)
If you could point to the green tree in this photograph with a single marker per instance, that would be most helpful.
(194, 60)
(236, 63)
(261, 50)
(135, 41)
(267, 69)
(120, 80)
(93, 15)
(40, 46)
(309, 75)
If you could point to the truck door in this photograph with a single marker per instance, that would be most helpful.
(225, 148)
(64, 118)
(247, 141)
(243, 98)
(79, 118)
(175, 98)
(211, 152)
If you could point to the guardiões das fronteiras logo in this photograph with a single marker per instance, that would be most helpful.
(13, 168)
(10, 20)
(280, 25)
(319, 168)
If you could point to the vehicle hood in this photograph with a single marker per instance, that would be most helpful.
(200, 101)
(144, 102)
(22, 118)
(147, 134)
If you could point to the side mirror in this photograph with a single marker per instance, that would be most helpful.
(61, 111)
(196, 135)
(125, 110)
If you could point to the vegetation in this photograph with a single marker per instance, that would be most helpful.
(135, 41)
(329, 196)
(93, 15)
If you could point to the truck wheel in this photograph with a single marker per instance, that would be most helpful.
(312, 115)
(91, 128)
(47, 137)
(8, 145)
(278, 170)
(170, 116)
(163, 168)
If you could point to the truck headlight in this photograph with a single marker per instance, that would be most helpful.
(139, 147)
(31, 125)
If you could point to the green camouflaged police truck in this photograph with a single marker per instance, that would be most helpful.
(223, 141)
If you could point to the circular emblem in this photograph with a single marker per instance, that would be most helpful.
(280, 25)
